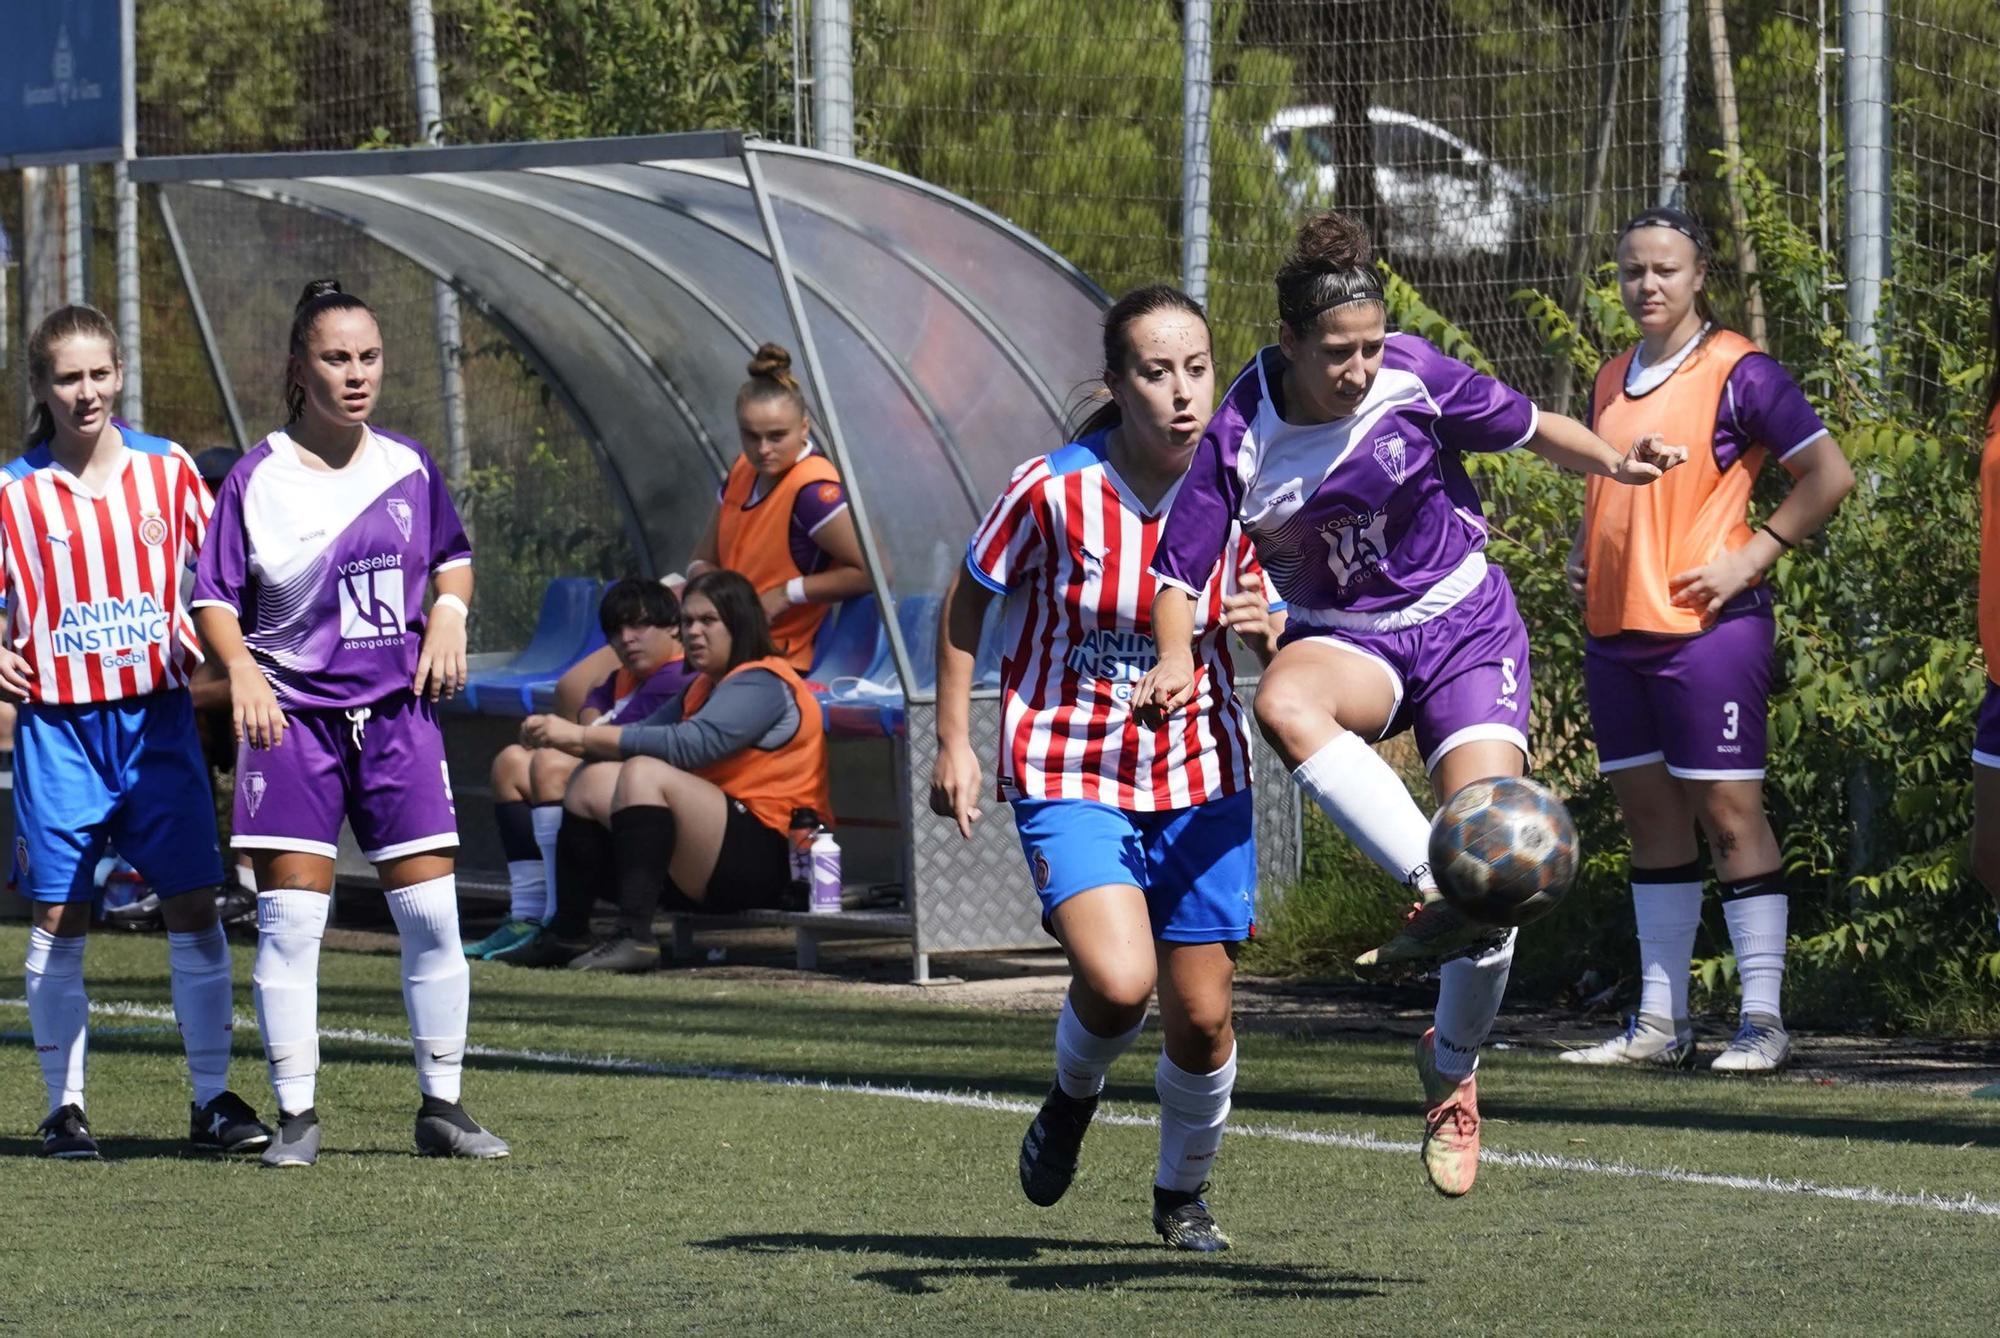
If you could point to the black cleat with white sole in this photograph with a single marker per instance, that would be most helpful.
(1184, 1221)
(1050, 1148)
(227, 1124)
(445, 1130)
(66, 1135)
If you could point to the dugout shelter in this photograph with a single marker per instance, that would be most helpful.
(939, 347)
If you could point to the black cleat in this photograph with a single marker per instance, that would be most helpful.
(1184, 1221)
(1049, 1149)
(621, 952)
(445, 1130)
(143, 915)
(546, 948)
(227, 1124)
(296, 1142)
(65, 1135)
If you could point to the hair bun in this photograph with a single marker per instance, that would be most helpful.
(317, 289)
(773, 361)
(1335, 241)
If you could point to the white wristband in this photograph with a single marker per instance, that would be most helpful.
(795, 590)
(451, 602)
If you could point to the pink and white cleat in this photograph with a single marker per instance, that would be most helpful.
(1451, 1123)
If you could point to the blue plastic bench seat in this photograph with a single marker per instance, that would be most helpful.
(566, 630)
(875, 714)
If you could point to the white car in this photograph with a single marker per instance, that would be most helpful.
(1441, 197)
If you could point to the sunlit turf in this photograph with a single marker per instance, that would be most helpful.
(666, 1203)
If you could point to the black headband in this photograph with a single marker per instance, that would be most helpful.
(1335, 288)
(1665, 216)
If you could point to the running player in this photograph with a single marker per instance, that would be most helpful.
(1339, 451)
(97, 522)
(781, 517)
(1678, 661)
(311, 593)
(1138, 839)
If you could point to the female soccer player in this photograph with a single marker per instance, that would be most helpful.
(311, 592)
(1138, 839)
(1339, 451)
(1986, 741)
(1678, 661)
(691, 803)
(97, 522)
(781, 517)
(641, 622)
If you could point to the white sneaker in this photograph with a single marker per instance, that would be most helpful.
(1644, 1041)
(1761, 1045)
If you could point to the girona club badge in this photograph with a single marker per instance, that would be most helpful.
(152, 529)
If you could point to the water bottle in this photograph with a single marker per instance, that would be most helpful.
(825, 872)
(805, 825)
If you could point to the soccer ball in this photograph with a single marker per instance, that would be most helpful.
(1504, 850)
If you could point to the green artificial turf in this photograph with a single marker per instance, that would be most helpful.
(666, 1203)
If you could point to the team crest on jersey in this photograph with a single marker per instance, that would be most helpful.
(1041, 867)
(253, 791)
(403, 514)
(1355, 545)
(1393, 454)
(829, 493)
(152, 529)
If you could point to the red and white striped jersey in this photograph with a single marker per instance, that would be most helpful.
(1071, 546)
(93, 583)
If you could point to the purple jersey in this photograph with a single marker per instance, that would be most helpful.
(1370, 519)
(665, 684)
(1761, 406)
(327, 569)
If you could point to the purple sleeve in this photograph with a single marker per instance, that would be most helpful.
(1197, 527)
(449, 545)
(1475, 412)
(1763, 406)
(814, 506)
(601, 697)
(222, 574)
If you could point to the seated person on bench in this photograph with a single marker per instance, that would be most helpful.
(692, 805)
(641, 622)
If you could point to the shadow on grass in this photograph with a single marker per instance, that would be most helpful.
(1036, 1264)
(117, 1148)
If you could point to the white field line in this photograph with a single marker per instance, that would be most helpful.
(1362, 1142)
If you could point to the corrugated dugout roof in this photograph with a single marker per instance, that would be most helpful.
(939, 343)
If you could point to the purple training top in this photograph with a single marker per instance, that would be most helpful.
(665, 684)
(327, 569)
(1370, 519)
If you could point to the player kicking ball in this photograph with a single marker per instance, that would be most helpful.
(97, 522)
(1138, 836)
(311, 592)
(1341, 452)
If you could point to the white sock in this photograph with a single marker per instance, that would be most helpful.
(1667, 905)
(1083, 1057)
(204, 1008)
(58, 1014)
(1368, 801)
(547, 821)
(437, 984)
(1757, 927)
(1469, 993)
(285, 984)
(527, 889)
(1194, 1107)
(246, 878)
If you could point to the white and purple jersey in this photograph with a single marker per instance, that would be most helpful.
(1369, 520)
(327, 569)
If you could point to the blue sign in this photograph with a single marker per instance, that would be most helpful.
(60, 92)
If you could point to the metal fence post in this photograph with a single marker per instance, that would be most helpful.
(1674, 30)
(833, 77)
(1197, 105)
(446, 317)
(1865, 122)
(133, 399)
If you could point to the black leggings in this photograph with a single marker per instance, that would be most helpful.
(626, 864)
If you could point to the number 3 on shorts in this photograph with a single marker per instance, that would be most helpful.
(1729, 720)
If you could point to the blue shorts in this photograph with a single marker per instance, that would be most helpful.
(1197, 866)
(130, 772)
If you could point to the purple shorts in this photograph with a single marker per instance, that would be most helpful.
(1696, 703)
(1459, 677)
(380, 768)
(1986, 738)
